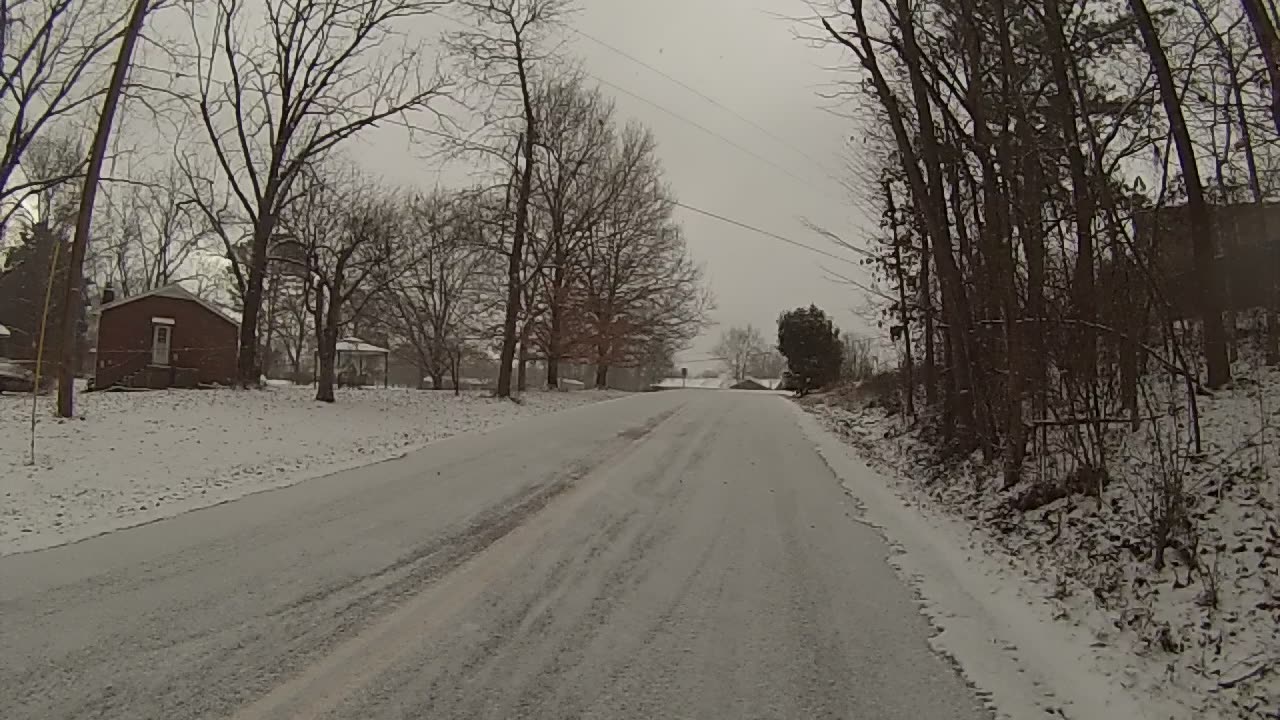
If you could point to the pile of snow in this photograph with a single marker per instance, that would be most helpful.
(1208, 639)
(137, 457)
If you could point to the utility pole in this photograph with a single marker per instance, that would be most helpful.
(74, 303)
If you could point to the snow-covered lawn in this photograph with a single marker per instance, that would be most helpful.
(1206, 640)
(136, 457)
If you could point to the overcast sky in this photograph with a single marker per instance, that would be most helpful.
(749, 60)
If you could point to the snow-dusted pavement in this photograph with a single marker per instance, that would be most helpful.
(681, 554)
(137, 457)
(1072, 583)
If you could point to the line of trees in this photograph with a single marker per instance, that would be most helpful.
(1075, 197)
(563, 249)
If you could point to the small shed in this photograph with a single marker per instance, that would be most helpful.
(356, 358)
(167, 337)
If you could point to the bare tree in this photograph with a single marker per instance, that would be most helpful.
(738, 346)
(502, 56)
(640, 289)
(431, 303)
(348, 236)
(581, 174)
(153, 232)
(279, 93)
(51, 163)
(50, 73)
(1210, 300)
(72, 309)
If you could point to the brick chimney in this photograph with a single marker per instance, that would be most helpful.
(108, 294)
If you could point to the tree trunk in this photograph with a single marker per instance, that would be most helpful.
(602, 374)
(1269, 44)
(904, 307)
(325, 377)
(1209, 290)
(272, 298)
(247, 365)
(556, 325)
(1129, 375)
(326, 317)
(518, 236)
(522, 376)
(1273, 333)
(927, 196)
(931, 194)
(1014, 430)
(1064, 104)
(1032, 234)
(926, 311)
(73, 304)
(455, 372)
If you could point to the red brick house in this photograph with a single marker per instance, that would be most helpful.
(164, 338)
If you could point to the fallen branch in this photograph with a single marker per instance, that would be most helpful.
(1257, 672)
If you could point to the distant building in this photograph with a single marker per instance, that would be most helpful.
(1246, 245)
(164, 338)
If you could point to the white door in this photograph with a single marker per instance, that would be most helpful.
(161, 340)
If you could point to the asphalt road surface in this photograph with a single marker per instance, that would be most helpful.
(674, 555)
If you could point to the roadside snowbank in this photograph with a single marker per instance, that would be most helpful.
(1076, 594)
(137, 457)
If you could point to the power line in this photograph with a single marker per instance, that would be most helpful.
(776, 138)
(766, 233)
(740, 147)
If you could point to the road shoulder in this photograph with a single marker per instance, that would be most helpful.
(1005, 641)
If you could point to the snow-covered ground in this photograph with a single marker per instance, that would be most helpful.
(1077, 598)
(136, 457)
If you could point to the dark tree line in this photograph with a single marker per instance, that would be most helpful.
(1064, 186)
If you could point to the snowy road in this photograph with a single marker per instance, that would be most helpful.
(676, 555)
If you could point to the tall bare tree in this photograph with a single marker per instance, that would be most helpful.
(580, 175)
(431, 303)
(279, 92)
(349, 238)
(502, 56)
(640, 288)
(51, 72)
(1207, 280)
(73, 306)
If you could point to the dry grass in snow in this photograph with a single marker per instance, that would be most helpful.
(136, 457)
(1203, 630)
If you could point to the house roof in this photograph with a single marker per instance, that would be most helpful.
(356, 346)
(174, 291)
